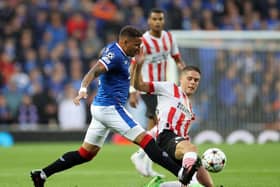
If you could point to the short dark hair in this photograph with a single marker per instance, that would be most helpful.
(130, 31)
(190, 68)
(156, 10)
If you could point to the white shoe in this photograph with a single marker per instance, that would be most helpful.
(139, 164)
(148, 164)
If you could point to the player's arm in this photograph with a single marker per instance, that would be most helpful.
(92, 74)
(139, 84)
(133, 94)
(175, 53)
(178, 60)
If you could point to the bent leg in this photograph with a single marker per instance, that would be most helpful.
(204, 177)
(184, 147)
(149, 145)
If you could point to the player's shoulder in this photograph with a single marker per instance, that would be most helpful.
(146, 35)
(167, 33)
(110, 52)
(110, 47)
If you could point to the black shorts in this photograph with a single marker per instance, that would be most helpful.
(151, 104)
(167, 141)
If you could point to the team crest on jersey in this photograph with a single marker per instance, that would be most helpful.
(110, 55)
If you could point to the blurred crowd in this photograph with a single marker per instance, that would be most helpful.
(46, 46)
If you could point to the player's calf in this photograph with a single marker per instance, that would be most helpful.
(191, 162)
(148, 144)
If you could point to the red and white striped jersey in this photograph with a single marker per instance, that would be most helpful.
(174, 108)
(157, 51)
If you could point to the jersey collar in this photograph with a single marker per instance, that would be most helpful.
(120, 49)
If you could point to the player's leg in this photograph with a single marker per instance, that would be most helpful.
(147, 162)
(181, 151)
(121, 121)
(187, 152)
(141, 161)
(94, 139)
(204, 177)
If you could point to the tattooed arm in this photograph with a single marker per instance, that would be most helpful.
(92, 74)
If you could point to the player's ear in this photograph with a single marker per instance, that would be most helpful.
(125, 41)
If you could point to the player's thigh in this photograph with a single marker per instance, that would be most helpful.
(118, 119)
(183, 146)
(97, 132)
(167, 141)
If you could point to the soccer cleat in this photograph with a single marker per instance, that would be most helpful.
(37, 179)
(155, 182)
(186, 173)
(138, 163)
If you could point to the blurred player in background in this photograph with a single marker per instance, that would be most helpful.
(174, 118)
(158, 45)
(108, 112)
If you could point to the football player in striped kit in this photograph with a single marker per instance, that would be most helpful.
(174, 118)
(158, 45)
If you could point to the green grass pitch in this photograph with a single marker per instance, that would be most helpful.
(247, 166)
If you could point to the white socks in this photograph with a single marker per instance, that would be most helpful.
(189, 158)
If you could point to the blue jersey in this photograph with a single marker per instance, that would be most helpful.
(113, 86)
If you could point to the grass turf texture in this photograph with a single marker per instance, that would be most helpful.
(247, 165)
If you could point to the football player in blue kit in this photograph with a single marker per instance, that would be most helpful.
(108, 112)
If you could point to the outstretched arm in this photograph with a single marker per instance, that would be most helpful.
(92, 74)
(139, 84)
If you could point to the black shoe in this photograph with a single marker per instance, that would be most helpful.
(36, 178)
(187, 173)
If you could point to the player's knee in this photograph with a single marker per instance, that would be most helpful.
(184, 147)
(88, 154)
(140, 139)
(193, 148)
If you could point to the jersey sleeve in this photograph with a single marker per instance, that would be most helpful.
(161, 88)
(109, 59)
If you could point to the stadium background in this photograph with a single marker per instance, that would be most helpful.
(47, 46)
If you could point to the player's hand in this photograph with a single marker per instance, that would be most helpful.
(139, 58)
(82, 95)
(133, 99)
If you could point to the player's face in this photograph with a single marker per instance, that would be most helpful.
(132, 46)
(156, 21)
(190, 81)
